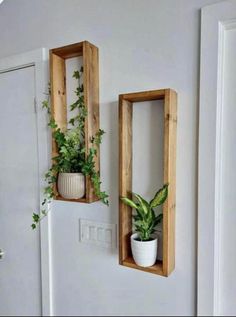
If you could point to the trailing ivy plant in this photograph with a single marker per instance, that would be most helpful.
(72, 156)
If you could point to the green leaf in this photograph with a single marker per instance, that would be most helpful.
(76, 74)
(140, 212)
(52, 124)
(143, 203)
(36, 217)
(137, 217)
(45, 104)
(73, 106)
(72, 121)
(158, 220)
(160, 197)
(129, 202)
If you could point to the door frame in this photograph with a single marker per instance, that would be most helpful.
(216, 20)
(39, 59)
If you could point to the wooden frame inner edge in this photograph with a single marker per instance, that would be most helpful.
(125, 165)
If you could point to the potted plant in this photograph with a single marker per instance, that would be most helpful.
(72, 163)
(144, 243)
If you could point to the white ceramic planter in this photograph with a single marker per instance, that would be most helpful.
(71, 185)
(144, 253)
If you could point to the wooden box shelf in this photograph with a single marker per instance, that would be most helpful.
(58, 57)
(169, 96)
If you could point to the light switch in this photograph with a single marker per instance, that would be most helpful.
(100, 234)
(92, 233)
(108, 236)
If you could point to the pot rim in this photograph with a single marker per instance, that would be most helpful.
(135, 235)
(80, 174)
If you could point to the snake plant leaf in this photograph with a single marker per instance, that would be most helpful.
(129, 202)
(160, 197)
(143, 203)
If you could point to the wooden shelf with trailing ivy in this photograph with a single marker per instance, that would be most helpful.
(169, 96)
(58, 57)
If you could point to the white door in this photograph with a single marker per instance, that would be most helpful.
(20, 286)
(217, 162)
(25, 287)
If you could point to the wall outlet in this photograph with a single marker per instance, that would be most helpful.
(100, 234)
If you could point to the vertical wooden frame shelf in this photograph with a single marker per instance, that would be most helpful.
(58, 57)
(126, 101)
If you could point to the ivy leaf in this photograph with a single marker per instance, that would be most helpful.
(52, 124)
(33, 226)
(72, 121)
(36, 217)
(45, 104)
(76, 74)
(73, 106)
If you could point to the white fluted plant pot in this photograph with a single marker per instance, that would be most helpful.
(144, 252)
(71, 185)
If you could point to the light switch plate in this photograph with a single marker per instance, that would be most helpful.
(100, 234)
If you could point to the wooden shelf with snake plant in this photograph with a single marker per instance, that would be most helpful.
(169, 97)
(58, 57)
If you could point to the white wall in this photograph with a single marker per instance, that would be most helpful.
(143, 45)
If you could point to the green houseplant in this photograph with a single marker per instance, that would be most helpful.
(72, 159)
(143, 243)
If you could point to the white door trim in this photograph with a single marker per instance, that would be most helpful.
(216, 20)
(39, 59)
